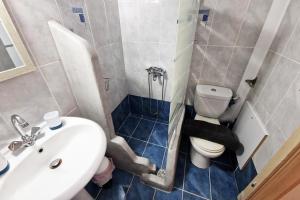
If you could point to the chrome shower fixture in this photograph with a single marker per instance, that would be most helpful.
(156, 72)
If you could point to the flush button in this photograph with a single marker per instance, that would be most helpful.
(213, 90)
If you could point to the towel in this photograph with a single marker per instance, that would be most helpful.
(214, 133)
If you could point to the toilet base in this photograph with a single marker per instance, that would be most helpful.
(199, 160)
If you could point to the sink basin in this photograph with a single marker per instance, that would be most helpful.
(80, 144)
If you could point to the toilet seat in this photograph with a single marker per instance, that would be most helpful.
(205, 145)
(201, 145)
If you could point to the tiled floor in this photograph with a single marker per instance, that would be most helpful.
(148, 138)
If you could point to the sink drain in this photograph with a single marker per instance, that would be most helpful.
(55, 163)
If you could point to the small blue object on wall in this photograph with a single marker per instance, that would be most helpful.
(205, 18)
(81, 17)
(77, 10)
(205, 14)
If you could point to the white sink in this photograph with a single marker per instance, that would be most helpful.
(80, 143)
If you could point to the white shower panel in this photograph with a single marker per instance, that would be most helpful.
(80, 61)
(250, 131)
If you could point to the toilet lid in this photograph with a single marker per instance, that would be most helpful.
(206, 145)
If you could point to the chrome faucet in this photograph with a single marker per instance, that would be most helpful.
(27, 140)
(19, 124)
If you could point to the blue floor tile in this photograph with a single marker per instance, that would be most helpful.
(188, 196)
(92, 189)
(245, 176)
(129, 125)
(159, 134)
(143, 130)
(180, 171)
(151, 118)
(150, 107)
(222, 184)
(163, 111)
(115, 192)
(155, 154)
(137, 146)
(120, 113)
(122, 177)
(228, 158)
(174, 195)
(138, 190)
(135, 104)
(197, 180)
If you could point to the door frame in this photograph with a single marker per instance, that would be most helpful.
(279, 176)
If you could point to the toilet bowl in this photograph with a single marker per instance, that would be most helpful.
(209, 103)
(203, 150)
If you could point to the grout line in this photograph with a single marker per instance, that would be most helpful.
(195, 194)
(227, 46)
(236, 185)
(154, 194)
(72, 110)
(136, 127)
(147, 119)
(281, 100)
(284, 56)
(209, 179)
(123, 122)
(149, 138)
(207, 41)
(185, 160)
(190, 193)
(278, 61)
(50, 90)
(98, 193)
(237, 167)
(143, 141)
(50, 63)
(129, 186)
(236, 41)
(60, 13)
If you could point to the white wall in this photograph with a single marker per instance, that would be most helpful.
(149, 39)
(276, 96)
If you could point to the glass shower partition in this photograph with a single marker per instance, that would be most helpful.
(187, 24)
(178, 78)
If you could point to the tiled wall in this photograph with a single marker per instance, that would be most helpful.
(141, 107)
(149, 39)
(47, 88)
(102, 29)
(276, 94)
(224, 45)
(106, 37)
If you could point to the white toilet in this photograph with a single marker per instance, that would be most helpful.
(210, 103)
